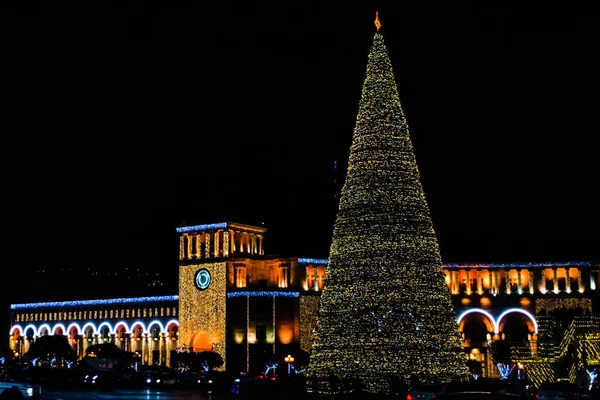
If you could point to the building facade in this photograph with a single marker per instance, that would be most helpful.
(247, 306)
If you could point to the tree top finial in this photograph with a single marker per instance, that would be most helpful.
(377, 23)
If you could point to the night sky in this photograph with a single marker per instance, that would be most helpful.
(120, 123)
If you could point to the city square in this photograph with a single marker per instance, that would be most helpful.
(378, 314)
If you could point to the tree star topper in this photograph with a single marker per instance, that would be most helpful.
(377, 23)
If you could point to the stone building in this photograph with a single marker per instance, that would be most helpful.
(247, 306)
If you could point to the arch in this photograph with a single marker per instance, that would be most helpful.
(136, 323)
(518, 310)
(490, 323)
(73, 325)
(171, 322)
(156, 322)
(59, 326)
(85, 327)
(172, 328)
(201, 341)
(14, 328)
(99, 329)
(119, 324)
(42, 327)
(28, 327)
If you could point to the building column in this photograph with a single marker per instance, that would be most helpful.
(145, 360)
(580, 286)
(568, 279)
(189, 247)
(519, 281)
(452, 282)
(168, 351)
(533, 344)
(468, 282)
(260, 245)
(555, 280)
(217, 243)
(531, 281)
(479, 282)
(182, 246)
(207, 245)
(198, 252)
(226, 245)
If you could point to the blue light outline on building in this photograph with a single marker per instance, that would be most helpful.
(100, 302)
(263, 294)
(313, 261)
(523, 265)
(205, 227)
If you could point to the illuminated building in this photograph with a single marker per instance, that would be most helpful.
(256, 304)
(247, 306)
(536, 311)
(232, 299)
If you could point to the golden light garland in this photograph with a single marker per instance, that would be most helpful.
(202, 313)
(385, 312)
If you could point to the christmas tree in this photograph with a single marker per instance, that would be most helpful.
(385, 313)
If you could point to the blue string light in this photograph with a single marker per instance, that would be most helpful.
(205, 227)
(523, 265)
(76, 303)
(312, 261)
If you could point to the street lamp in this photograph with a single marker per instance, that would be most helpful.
(289, 360)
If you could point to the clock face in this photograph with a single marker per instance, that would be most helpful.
(202, 279)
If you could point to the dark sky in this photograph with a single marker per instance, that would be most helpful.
(121, 122)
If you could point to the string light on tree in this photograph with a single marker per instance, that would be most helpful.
(385, 312)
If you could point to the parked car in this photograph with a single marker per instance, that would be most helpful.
(481, 389)
(101, 379)
(15, 390)
(562, 390)
(158, 377)
(424, 391)
(193, 380)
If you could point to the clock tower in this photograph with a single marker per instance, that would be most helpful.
(204, 254)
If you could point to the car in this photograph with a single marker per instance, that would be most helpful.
(105, 379)
(424, 391)
(562, 390)
(481, 389)
(16, 390)
(190, 379)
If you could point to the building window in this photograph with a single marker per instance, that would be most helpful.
(261, 332)
(240, 277)
(283, 277)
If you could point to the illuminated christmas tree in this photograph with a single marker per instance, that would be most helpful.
(385, 312)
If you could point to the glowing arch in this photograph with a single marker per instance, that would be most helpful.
(492, 320)
(171, 322)
(39, 332)
(99, 329)
(119, 324)
(156, 322)
(511, 310)
(73, 325)
(481, 311)
(14, 328)
(30, 326)
(89, 324)
(59, 325)
(136, 323)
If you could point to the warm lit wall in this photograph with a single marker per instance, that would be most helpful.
(202, 313)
